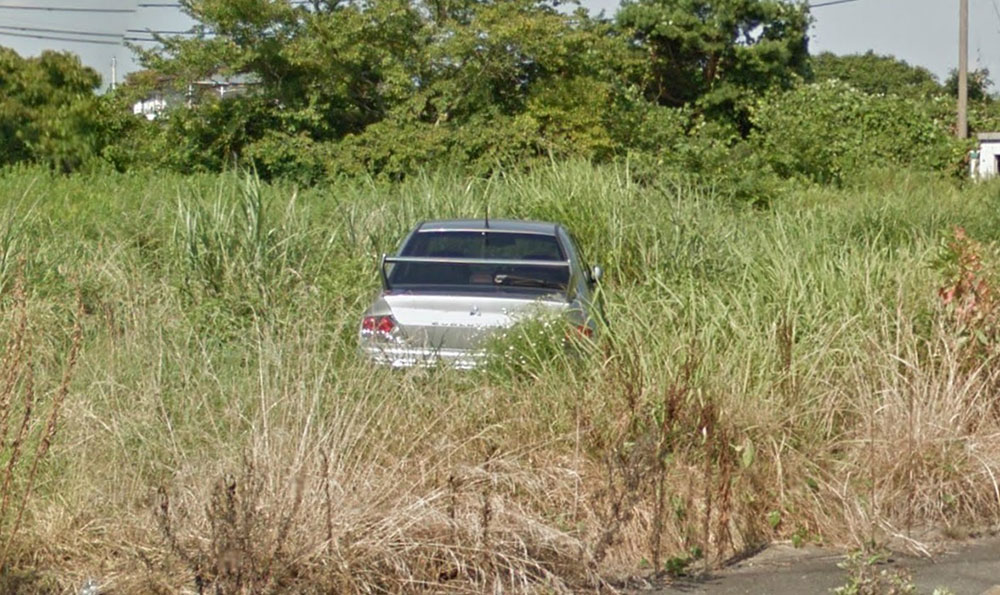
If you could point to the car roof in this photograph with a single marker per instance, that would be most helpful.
(502, 225)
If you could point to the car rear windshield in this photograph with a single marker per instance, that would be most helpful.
(482, 245)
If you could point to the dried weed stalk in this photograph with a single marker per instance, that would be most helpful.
(247, 542)
(393, 533)
(25, 439)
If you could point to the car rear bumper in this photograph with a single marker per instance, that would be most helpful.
(409, 357)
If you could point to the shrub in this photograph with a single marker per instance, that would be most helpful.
(293, 157)
(829, 132)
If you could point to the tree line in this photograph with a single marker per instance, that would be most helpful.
(725, 89)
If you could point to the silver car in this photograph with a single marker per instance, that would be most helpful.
(455, 282)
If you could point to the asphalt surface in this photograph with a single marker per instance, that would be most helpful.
(963, 568)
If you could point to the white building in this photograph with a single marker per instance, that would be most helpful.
(985, 162)
(152, 108)
(165, 96)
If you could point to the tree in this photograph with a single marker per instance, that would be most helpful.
(48, 110)
(320, 72)
(391, 84)
(717, 54)
(979, 84)
(876, 75)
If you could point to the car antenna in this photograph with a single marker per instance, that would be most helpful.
(486, 202)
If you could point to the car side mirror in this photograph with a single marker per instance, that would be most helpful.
(595, 274)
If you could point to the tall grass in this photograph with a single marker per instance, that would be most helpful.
(30, 407)
(787, 373)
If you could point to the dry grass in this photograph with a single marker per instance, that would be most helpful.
(29, 416)
(318, 507)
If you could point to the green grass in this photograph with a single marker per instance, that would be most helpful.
(788, 364)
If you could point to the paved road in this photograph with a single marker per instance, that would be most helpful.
(969, 568)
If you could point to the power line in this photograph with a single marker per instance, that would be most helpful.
(93, 33)
(831, 3)
(156, 32)
(65, 31)
(59, 38)
(68, 9)
(121, 38)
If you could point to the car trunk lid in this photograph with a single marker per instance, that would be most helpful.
(462, 321)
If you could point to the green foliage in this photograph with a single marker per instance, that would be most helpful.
(532, 346)
(876, 75)
(48, 113)
(297, 158)
(215, 133)
(477, 84)
(127, 141)
(316, 75)
(386, 87)
(237, 256)
(827, 132)
(869, 573)
(710, 89)
(678, 566)
(717, 54)
(391, 148)
(978, 81)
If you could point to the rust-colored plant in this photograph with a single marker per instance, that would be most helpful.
(969, 295)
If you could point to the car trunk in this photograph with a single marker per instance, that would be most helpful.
(461, 321)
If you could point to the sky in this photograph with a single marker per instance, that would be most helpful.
(922, 32)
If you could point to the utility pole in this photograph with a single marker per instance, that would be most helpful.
(114, 72)
(963, 69)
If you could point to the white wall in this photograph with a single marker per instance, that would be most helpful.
(151, 108)
(988, 153)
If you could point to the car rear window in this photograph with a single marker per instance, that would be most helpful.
(482, 245)
(479, 244)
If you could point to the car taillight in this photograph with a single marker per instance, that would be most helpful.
(582, 330)
(381, 324)
(385, 324)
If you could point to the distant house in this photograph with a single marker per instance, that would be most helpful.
(984, 162)
(224, 87)
(166, 95)
(152, 108)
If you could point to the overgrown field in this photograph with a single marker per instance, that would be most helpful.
(820, 369)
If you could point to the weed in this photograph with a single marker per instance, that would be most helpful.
(246, 547)
(535, 345)
(29, 415)
(969, 293)
(868, 574)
